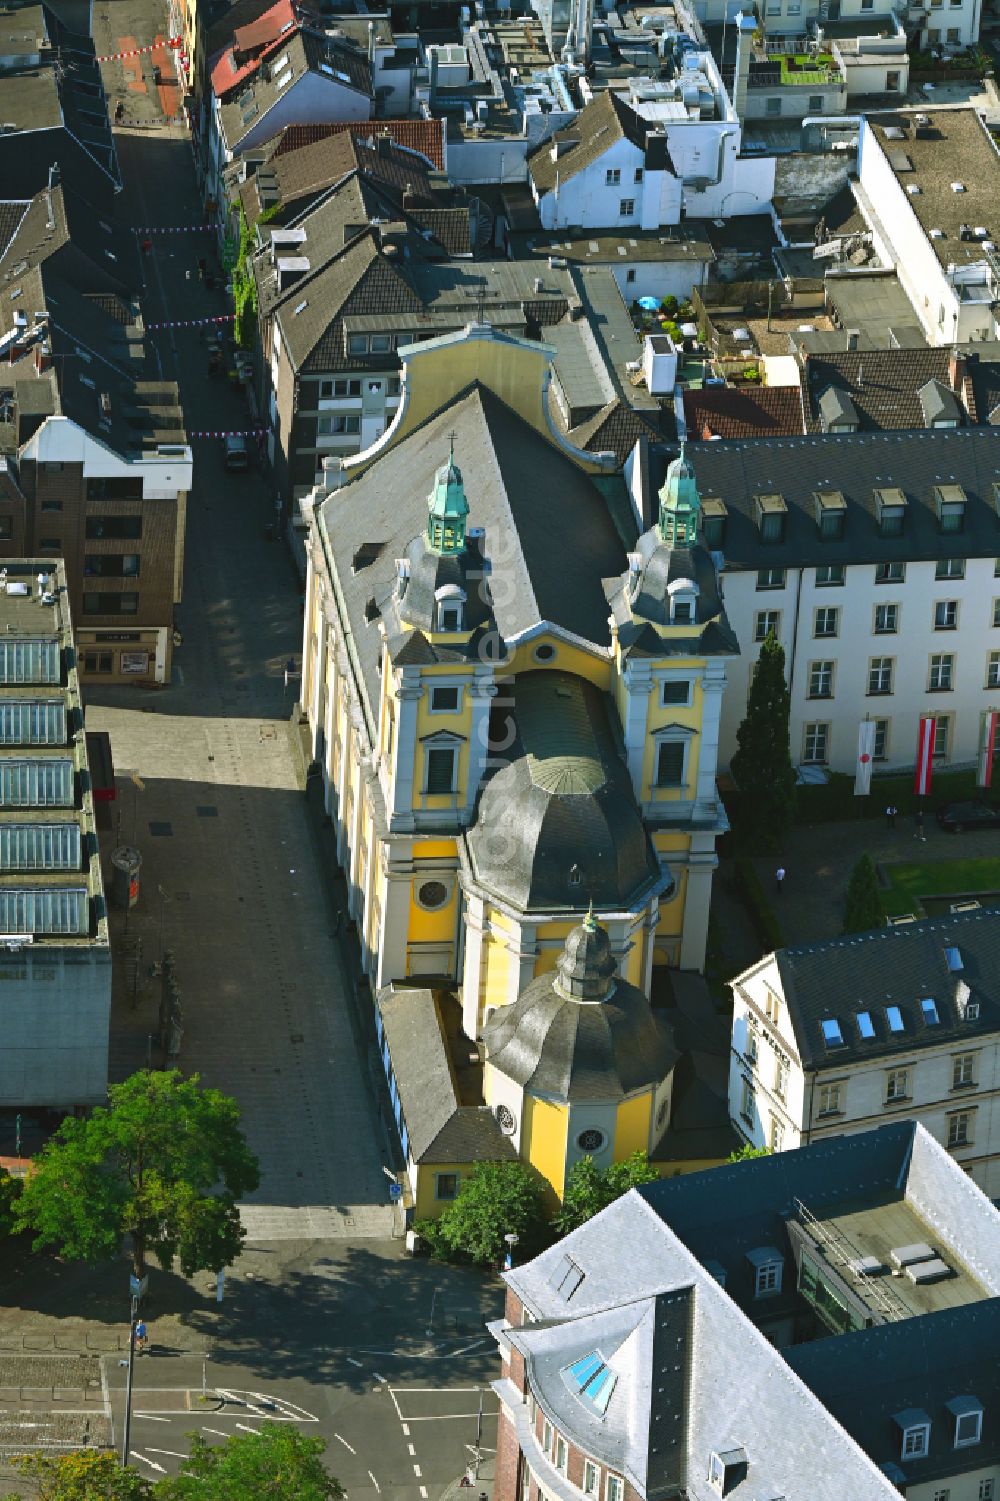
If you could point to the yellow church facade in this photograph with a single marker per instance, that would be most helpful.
(513, 688)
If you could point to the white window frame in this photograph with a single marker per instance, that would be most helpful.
(963, 1071)
(993, 670)
(830, 1096)
(824, 669)
(826, 611)
(885, 732)
(448, 609)
(963, 1417)
(963, 1120)
(763, 617)
(767, 1278)
(890, 573)
(591, 1478)
(888, 605)
(560, 1454)
(776, 1135)
(941, 672)
(816, 730)
(614, 1488)
(916, 1441)
(880, 676)
(613, 177)
(771, 578)
(748, 1102)
(946, 614)
(830, 575)
(893, 1091)
(675, 703)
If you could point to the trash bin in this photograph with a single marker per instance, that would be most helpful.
(126, 865)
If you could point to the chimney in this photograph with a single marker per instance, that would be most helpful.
(383, 143)
(745, 26)
(43, 357)
(853, 338)
(956, 371)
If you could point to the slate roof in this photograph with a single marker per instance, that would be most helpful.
(616, 429)
(917, 1364)
(899, 966)
(728, 412)
(516, 483)
(884, 385)
(290, 176)
(307, 52)
(855, 464)
(440, 1129)
(564, 801)
(607, 119)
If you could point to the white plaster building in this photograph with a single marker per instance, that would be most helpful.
(667, 151)
(842, 1036)
(927, 187)
(873, 558)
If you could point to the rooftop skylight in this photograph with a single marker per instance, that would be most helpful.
(865, 1028)
(930, 1010)
(894, 1017)
(592, 1381)
(832, 1035)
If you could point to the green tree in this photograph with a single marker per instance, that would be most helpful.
(164, 1162)
(277, 1463)
(863, 907)
(762, 765)
(87, 1475)
(10, 1191)
(589, 1189)
(746, 1152)
(496, 1199)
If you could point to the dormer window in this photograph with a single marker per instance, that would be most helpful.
(915, 1433)
(768, 1264)
(714, 518)
(450, 603)
(726, 1468)
(683, 594)
(831, 514)
(968, 1415)
(771, 512)
(890, 508)
(950, 503)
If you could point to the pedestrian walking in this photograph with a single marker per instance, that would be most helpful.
(141, 1338)
(779, 879)
(289, 670)
(890, 816)
(918, 819)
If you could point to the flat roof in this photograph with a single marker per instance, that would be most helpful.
(955, 148)
(876, 1228)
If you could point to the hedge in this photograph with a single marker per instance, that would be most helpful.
(762, 915)
(834, 801)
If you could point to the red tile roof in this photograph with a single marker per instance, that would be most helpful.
(761, 412)
(423, 136)
(260, 38)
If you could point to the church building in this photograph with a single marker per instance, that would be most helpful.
(513, 687)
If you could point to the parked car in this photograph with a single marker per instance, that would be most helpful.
(237, 452)
(955, 818)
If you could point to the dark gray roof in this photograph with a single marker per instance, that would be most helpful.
(567, 1049)
(559, 825)
(602, 122)
(900, 966)
(517, 485)
(856, 464)
(440, 1128)
(868, 1377)
(308, 52)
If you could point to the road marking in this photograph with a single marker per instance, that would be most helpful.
(411, 1449)
(345, 1443)
(406, 1431)
(423, 1492)
(464, 1349)
(175, 1452)
(416, 1471)
(152, 1418)
(444, 1417)
(379, 1377)
(374, 1482)
(246, 1429)
(395, 1404)
(441, 1388)
(217, 1431)
(352, 1362)
(151, 1462)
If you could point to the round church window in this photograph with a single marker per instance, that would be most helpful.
(591, 1140)
(505, 1120)
(544, 653)
(432, 894)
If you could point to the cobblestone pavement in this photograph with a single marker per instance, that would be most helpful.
(210, 788)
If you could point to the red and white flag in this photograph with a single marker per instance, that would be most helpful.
(866, 751)
(925, 755)
(987, 744)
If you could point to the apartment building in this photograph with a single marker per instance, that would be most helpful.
(55, 957)
(846, 546)
(96, 460)
(834, 1038)
(819, 1324)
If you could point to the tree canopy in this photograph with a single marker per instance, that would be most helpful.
(762, 763)
(863, 907)
(85, 1475)
(164, 1162)
(496, 1199)
(746, 1152)
(589, 1189)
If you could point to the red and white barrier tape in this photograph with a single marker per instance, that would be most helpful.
(171, 41)
(174, 229)
(194, 322)
(238, 432)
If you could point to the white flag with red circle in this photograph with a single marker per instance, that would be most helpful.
(866, 754)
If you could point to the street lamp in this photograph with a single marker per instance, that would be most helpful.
(136, 1287)
(512, 1239)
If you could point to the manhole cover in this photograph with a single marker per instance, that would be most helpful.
(162, 830)
(206, 810)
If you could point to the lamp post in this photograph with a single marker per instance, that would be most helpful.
(137, 1287)
(511, 1239)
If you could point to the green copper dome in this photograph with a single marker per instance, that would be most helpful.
(447, 510)
(680, 504)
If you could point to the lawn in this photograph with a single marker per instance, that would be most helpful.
(958, 878)
(806, 68)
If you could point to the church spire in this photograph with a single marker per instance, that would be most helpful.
(680, 504)
(447, 508)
